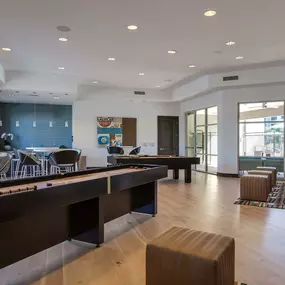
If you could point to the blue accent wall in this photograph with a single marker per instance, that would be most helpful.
(42, 135)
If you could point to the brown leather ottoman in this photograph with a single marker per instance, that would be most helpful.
(254, 187)
(274, 172)
(264, 172)
(184, 257)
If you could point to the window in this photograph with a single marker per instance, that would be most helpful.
(261, 135)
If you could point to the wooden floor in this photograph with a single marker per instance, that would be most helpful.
(206, 204)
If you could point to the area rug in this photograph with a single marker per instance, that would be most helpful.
(276, 199)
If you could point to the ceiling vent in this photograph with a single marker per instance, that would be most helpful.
(230, 78)
(139, 93)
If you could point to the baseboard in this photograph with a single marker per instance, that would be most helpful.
(233, 175)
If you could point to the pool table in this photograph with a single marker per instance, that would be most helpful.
(172, 161)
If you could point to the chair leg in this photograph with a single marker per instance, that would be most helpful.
(17, 169)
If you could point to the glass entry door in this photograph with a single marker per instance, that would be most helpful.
(202, 138)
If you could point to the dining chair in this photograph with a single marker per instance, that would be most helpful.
(63, 160)
(15, 164)
(135, 151)
(5, 164)
(30, 165)
(115, 150)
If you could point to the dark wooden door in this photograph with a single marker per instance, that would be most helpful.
(168, 135)
(130, 132)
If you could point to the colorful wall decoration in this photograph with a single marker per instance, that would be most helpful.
(109, 131)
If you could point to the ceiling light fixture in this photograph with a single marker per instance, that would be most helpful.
(55, 97)
(95, 82)
(64, 29)
(6, 49)
(111, 58)
(172, 51)
(141, 74)
(230, 43)
(62, 39)
(192, 65)
(157, 86)
(61, 68)
(132, 27)
(239, 57)
(210, 13)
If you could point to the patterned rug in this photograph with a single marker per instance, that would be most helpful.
(276, 199)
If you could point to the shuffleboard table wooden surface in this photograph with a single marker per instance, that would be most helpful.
(40, 212)
(171, 161)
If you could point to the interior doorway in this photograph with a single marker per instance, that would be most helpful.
(202, 138)
(168, 135)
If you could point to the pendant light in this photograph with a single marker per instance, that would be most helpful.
(66, 114)
(51, 122)
(35, 117)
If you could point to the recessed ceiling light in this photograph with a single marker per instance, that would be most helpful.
(62, 39)
(192, 65)
(6, 49)
(63, 29)
(172, 51)
(230, 43)
(157, 86)
(111, 58)
(239, 57)
(210, 13)
(141, 73)
(132, 27)
(95, 82)
(61, 68)
(55, 97)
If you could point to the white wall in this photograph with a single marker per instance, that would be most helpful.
(227, 101)
(86, 112)
(212, 82)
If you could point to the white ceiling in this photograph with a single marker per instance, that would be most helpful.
(98, 31)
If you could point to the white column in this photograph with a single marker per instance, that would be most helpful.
(228, 135)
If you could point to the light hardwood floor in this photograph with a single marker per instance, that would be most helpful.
(206, 204)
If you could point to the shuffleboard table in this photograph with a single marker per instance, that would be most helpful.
(38, 213)
(171, 161)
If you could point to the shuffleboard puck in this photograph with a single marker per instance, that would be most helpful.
(49, 184)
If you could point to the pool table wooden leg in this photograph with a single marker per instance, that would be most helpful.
(175, 174)
(188, 177)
